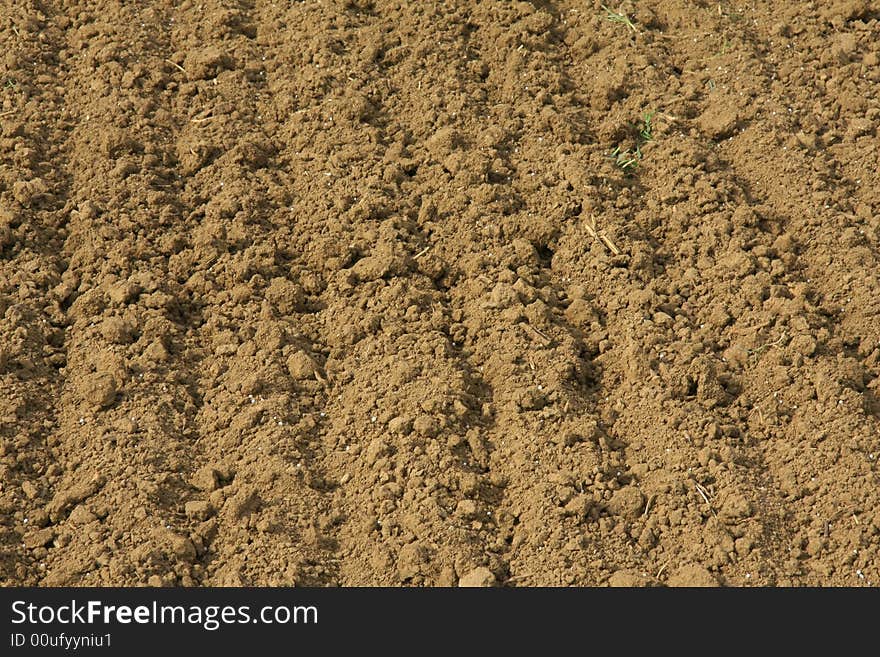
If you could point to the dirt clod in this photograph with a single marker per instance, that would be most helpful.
(206, 479)
(301, 366)
(81, 515)
(206, 63)
(198, 509)
(478, 577)
(100, 390)
(30, 489)
(628, 502)
(40, 538)
(691, 575)
(630, 579)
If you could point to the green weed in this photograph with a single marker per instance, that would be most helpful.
(646, 127)
(617, 17)
(628, 159)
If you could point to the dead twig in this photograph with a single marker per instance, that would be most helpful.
(705, 496)
(767, 345)
(324, 381)
(601, 236)
(546, 338)
(422, 252)
(176, 65)
(675, 37)
(840, 512)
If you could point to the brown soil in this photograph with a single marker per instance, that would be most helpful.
(349, 293)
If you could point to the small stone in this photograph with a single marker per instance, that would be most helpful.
(692, 575)
(478, 578)
(39, 539)
(627, 502)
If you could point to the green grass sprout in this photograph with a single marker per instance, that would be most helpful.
(617, 17)
(646, 128)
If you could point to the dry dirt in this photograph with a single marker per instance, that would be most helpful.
(429, 293)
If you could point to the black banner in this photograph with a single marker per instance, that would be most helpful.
(231, 621)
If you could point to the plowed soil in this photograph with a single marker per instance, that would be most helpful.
(437, 293)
